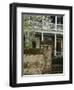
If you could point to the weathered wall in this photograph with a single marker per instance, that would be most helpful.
(39, 63)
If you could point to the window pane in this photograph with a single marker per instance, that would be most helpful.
(60, 20)
(52, 19)
(60, 27)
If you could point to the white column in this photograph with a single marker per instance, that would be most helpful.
(42, 37)
(55, 23)
(55, 38)
(55, 45)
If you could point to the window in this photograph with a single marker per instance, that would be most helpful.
(59, 19)
(52, 19)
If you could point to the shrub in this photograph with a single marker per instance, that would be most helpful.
(33, 51)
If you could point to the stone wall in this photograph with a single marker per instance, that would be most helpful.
(38, 63)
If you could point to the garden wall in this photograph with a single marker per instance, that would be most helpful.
(38, 63)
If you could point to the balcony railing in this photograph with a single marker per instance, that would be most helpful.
(45, 26)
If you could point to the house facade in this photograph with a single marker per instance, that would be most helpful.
(43, 40)
(48, 31)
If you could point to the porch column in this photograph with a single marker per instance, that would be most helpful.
(42, 37)
(55, 38)
(55, 45)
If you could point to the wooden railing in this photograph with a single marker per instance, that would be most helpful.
(47, 27)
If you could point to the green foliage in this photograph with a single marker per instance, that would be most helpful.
(35, 20)
(27, 23)
(29, 45)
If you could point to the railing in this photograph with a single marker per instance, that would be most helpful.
(47, 26)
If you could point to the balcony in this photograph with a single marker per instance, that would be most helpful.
(45, 26)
